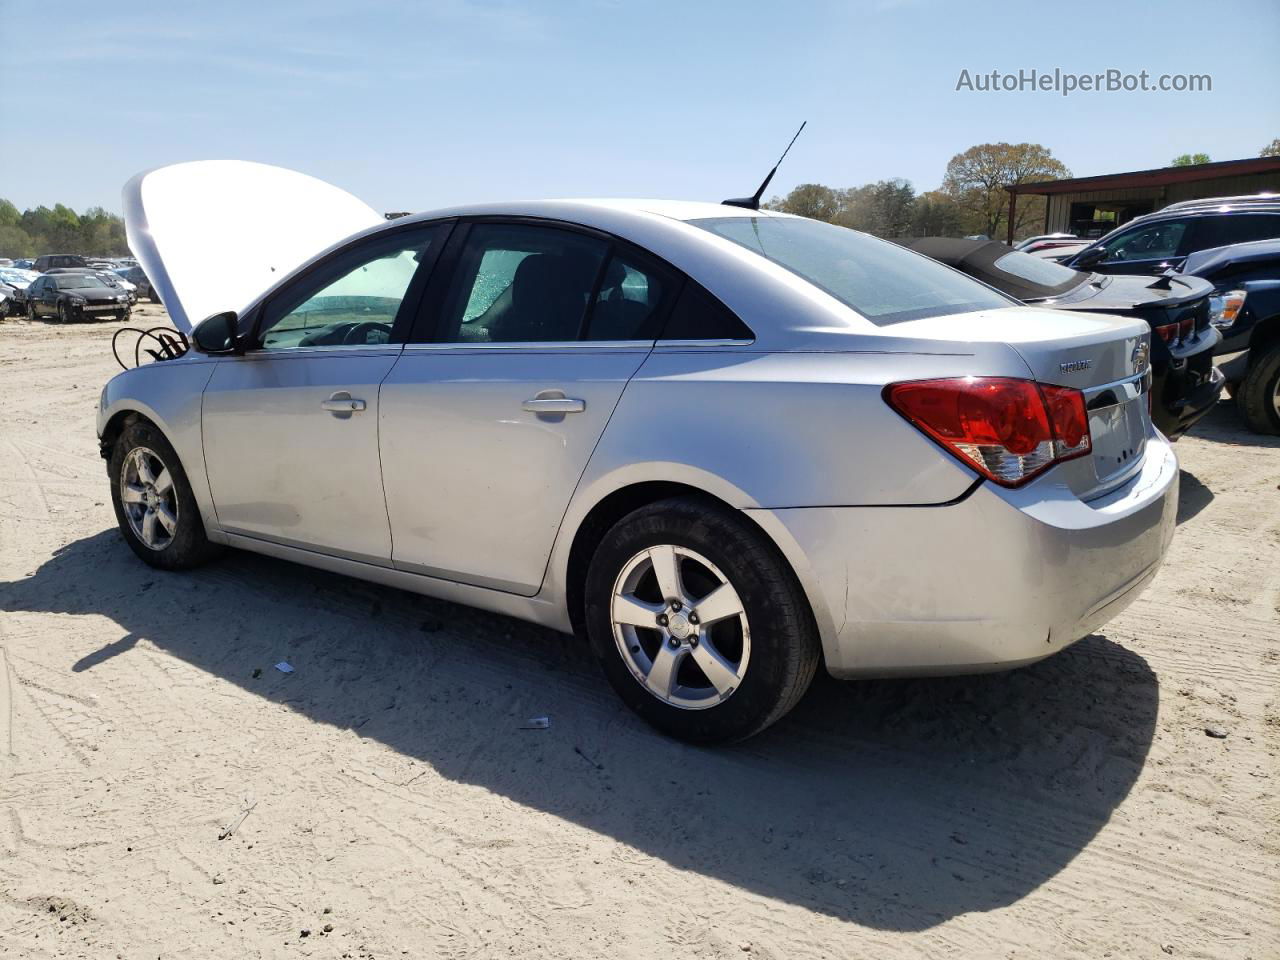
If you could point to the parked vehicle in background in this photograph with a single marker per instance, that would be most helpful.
(672, 406)
(1046, 241)
(109, 277)
(19, 280)
(54, 261)
(138, 277)
(75, 296)
(24, 264)
(1245, 307)
(1185, 385)
(1162, 240)
(1059, 254)
(5, 262)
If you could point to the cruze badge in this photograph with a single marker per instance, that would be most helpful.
(1075, 366)
(1141, 350)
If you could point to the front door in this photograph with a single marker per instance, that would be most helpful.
(1151, 248)
(291, 428)
(487, 428)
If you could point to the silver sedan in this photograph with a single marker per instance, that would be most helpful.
(727, 446)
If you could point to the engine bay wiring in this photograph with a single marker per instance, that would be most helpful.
(170, 344)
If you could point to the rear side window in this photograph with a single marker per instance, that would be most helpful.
(633, 296)
(880, 280)
(519, 283)
(1236, 228)
(698, 315)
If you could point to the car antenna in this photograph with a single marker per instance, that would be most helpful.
(753, 202)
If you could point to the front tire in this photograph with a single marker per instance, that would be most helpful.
(1259, 395)
(698, 622)
(156, 511)
(64, 313)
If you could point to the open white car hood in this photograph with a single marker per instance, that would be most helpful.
(212, 235)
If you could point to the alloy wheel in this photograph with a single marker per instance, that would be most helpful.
(149, 498)
(680, 627)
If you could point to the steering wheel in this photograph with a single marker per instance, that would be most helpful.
(359, 332)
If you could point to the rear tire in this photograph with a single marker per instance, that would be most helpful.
(695, 678)
(160, 519)
(1259, 395)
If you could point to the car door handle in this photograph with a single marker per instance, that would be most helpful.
(554, 405)
(342, 402)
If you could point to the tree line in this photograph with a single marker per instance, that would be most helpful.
(94, 233)
(972, 199)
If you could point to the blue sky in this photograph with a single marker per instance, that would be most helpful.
(412, 105)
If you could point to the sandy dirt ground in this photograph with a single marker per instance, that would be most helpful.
(166, 792)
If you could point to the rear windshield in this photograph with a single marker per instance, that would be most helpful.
(1038, 270)
(880, 280)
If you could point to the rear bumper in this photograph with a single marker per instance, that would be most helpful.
(999, 579)
(1195, 403)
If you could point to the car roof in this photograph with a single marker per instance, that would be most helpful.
(1209, 207)
(571, 210)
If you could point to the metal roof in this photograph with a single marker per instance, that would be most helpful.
(1159, 177)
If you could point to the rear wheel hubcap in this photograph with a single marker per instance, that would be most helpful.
(680, 627)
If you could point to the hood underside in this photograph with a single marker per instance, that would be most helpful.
(213, 235)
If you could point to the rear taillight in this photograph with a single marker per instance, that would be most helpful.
(1009, 430)
(1173, 333)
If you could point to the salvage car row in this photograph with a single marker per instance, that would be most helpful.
(97, 293)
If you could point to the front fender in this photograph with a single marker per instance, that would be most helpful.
(168, 394)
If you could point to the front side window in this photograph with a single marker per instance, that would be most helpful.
(880, 280)
(353, 299)
(520, 283)
(1152, 242)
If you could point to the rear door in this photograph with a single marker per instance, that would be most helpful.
(291, 428)
(490, 416)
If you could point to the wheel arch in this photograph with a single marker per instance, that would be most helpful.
(1265, 333)
(610, 507)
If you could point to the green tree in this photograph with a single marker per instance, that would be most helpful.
(937, 214)
(60, 230)
(1189, 159)
(976, 181)
(811, 200)
(883, 208)
(1272, 149)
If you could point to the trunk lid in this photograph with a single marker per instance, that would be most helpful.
(213, 235)
(1105, 357)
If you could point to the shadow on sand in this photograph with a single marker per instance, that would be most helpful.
(894, 804)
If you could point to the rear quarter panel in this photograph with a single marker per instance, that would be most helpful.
(774, 430)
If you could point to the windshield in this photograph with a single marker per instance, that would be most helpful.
(74, 282)
(1038, 270)
(878, 279)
